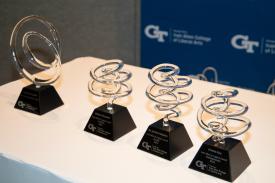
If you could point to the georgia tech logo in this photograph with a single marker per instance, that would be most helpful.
(242, 42)
(92, 127)
(21, 104)
(153, 32)
(146, 146)
(200, 165)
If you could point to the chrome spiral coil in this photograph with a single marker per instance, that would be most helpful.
(166, 90)
(210, 70)
(271, 88)
(219, 114)
(53, 68)
(109, 81)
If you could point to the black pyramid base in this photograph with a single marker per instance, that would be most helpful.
(110, 124)
(38, 100)
(165, 142)
(225, 161)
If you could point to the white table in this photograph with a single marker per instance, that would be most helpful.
(57, 143)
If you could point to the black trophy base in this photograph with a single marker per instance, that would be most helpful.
(38, 100)
(165, 142)
(225, 161)
(110, 124)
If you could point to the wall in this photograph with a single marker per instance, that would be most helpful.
(236, 38)
(98, 28)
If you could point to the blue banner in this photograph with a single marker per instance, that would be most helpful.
(230, 41)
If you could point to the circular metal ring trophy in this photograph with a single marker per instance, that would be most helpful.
(166, 138)
(221, 155)
(39, 97)
(110, 120)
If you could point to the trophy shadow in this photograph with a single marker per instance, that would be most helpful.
(134, 137)
(9, 98)
(97, 139)
(49, 117)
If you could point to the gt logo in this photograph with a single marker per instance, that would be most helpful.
(153, 32)
(21, 104)
(92, 127)
(200, 165)
(146, 145)
(242, 42)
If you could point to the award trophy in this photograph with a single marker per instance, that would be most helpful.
(39, 97)
(110, 120)
(205, 75)
(166, 138)
(222, 156)
(271, 88)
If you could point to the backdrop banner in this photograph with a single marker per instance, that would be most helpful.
(230, 41)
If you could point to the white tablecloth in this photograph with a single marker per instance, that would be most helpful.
(57, 143)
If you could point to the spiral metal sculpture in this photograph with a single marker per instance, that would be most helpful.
(54, 45)
(271, 88)
(218, 111)
(109, 81)
(167, 91)
(203, 76)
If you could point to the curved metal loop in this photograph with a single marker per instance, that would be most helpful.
(213, 70)
(210, 103)
(167, 91)
(54, 46)
(218, 112)
(271, 88)
(205, 73)
(109, 81)
(226, 93)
